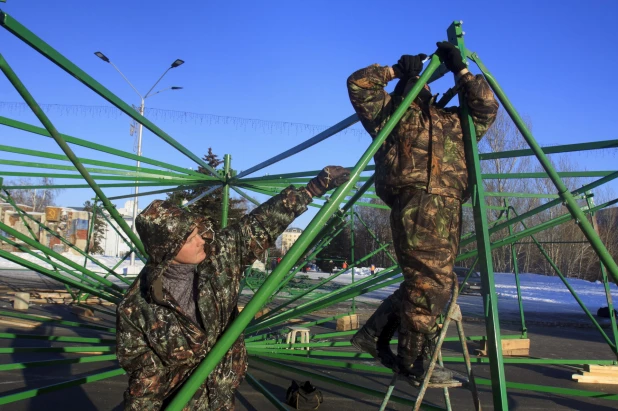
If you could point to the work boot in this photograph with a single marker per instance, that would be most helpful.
(374, 337)
(413, 364)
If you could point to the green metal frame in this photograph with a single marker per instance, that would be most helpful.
(329, 220)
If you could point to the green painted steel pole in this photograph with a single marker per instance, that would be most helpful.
(98, 147)
(608, 293)
(28, 37)
(490, 299)
(342, 125)
(546, 206)
(258, 300)
(65, 361)
(14, 233)
(377, 240)
(573, 292)
(352, 254)
(7, 399)
(269, 395)
(28, 264)
(563, 191)
(524, 330)
(63, 240)
(321, 283)
(225, 200)
(21, 89)
(50, 320)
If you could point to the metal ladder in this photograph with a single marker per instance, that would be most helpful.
(453, 314)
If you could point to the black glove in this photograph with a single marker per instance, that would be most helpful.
(450, 56)
(409, 66)
(330, 177)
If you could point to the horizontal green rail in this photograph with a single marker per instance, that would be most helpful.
(90, 348)
(7, 399)
(340, 383)
(98, 147)
(49, 273)
(28, 37)
(481, 381)
(51, 363)
(49, 320)
(57, 338)
(53, 156)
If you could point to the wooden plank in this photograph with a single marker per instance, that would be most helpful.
(518, 347)
(595, 367)
(610, 374)
(595, 380)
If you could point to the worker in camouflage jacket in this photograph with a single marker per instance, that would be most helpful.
(421, 175)
(186, 296)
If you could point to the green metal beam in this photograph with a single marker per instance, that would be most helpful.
(98, 147)
(299, 247)
(563, 191)
(21, 32)
(7, 399)
(68, 281)
(36, 109)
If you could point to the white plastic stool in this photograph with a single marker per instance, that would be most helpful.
(304, 336)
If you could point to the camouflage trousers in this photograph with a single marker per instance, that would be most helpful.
(426, 229)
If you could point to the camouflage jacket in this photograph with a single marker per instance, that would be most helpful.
(425, 150)
(157, 344)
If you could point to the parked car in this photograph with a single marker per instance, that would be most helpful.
(473, 285)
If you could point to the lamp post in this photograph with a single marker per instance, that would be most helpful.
(176, 63)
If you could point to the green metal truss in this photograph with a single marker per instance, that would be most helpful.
(333, 215)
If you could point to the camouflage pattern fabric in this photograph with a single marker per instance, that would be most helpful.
(421, 174)
(426, 230)
(425, 150)
(157, 344)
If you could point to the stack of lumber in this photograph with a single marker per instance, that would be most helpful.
(598, 374)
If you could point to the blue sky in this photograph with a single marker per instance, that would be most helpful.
(288, 61)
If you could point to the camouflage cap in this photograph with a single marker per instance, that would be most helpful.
(164, 227)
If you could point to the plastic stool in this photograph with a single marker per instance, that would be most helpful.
(304, 336)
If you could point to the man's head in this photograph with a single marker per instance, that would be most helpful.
(171, 233)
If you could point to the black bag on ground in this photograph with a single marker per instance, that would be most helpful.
(303, 396)
(603, 312)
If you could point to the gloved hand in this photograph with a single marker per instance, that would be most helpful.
(450, 56)
(409, 66)
(330, 177)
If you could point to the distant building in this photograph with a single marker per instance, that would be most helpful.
(289, 237)
(69, 223)
(111, 242)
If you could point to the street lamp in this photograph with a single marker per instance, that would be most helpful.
(176, 63)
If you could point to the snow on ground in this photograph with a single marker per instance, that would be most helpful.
(539, 293)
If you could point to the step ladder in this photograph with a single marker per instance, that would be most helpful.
(453, 314)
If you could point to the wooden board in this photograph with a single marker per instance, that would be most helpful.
(601, 368)
(517, 347)
(595, 379)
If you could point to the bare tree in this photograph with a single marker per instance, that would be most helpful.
(37, 198)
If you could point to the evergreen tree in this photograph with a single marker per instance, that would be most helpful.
(210, 205)
(98, 232)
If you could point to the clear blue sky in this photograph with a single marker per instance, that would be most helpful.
(288, 61)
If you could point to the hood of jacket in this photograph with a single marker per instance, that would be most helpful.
(163, 228)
